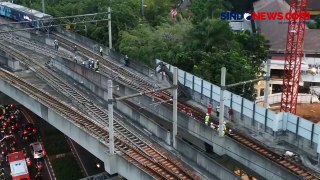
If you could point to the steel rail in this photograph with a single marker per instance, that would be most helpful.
(124, 132)
(127, 76)
(157, 170)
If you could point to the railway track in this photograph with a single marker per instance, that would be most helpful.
(280, 160)
(170, 167)
(127, 76)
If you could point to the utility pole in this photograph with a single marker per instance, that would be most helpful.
(110, 111)
(221, 114)
(267, 88)
(109, 27)
(175, 106)
(43, 9)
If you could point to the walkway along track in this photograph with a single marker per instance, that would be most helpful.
(139, 83)
(126, 77)
(170, 167)
(247, 141)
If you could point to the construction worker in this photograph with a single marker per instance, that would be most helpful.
(189, 113)
(101, 51)
(212, 125)
(230, 133)
(75, 49)
(225, 131)
(218, 110)
(91, 64)
(207, 119)
(230, 112)
(97, 65)
(126, 60)
(56, 44)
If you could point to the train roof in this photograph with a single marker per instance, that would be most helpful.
(35, 13)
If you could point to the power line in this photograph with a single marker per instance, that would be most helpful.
(48, 23)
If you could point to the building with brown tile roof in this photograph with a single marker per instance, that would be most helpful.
(276, 32)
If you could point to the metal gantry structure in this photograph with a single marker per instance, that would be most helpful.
(111, 101)
(293, 56)
(61, 21)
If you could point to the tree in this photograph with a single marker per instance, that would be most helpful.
(211, 34)
(164, 42)
(214, 45)
(200, 44)
(317, 20)
(138, 43)
(156, 12)
(208, 9)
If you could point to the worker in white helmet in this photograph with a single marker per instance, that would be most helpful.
(207, 119)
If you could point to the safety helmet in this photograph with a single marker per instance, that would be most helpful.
(207, 114)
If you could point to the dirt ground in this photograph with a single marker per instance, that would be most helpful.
(308, 111)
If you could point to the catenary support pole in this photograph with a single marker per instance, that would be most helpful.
(175, 105)
(43, 9)
(221, 114)
(267, 88)
(109, 27)
(110, 111)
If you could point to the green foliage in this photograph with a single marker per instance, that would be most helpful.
(67, 168)
(201, 49)
(54, 141)
(163, 42)
(208, 8)
(197, 42)
(315, 23)
(317, 19)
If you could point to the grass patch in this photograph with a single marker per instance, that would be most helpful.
(67, 168)
(54, 141)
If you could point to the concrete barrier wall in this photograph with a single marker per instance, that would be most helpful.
(97, 84)
(251, 159)
(203, 161)
(96, 146)
(246, 112)
(302, 98)
(144, 121)
(250, 114)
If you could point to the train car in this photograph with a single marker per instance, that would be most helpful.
(20, 13)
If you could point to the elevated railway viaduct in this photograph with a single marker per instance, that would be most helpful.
(253, 155)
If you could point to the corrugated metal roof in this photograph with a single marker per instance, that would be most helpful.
(276, 32)
(314, 5)
(25, 9)
(240, 25)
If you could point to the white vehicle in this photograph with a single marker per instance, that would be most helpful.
(37, 150)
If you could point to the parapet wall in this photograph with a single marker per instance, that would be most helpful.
(250, 115)
(96, 82)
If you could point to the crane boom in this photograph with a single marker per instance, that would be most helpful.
(293, 56)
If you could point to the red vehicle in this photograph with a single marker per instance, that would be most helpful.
(18, 166)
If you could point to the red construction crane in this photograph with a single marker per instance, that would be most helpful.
(294, 54)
